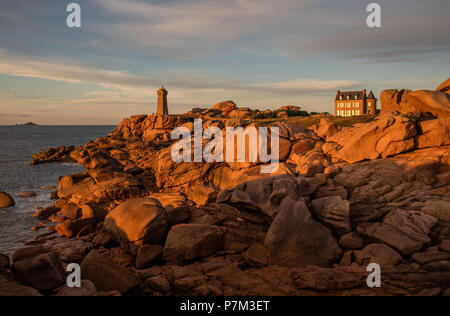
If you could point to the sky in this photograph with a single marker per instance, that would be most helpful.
(262, 54)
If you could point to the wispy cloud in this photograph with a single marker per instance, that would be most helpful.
(23, 67)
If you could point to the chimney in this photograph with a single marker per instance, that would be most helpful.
(364, 93)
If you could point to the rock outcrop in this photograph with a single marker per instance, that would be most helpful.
(290, 241)
(387, 136)
(141, 224)
(191, 241)
(444, 87)
(6, 200)
(416, 103)
(138, 222)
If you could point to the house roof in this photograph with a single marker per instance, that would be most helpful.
(352, 94)
(371, 96)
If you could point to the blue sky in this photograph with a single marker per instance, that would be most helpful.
(259, 53)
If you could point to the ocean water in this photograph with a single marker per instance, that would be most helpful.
(17, 144)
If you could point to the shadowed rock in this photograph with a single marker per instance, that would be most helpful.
(138, 222)
(296, 239)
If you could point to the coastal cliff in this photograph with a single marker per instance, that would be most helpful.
(343, 197)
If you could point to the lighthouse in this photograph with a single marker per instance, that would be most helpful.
(162, 108)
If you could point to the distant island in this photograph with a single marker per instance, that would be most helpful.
(28, 124)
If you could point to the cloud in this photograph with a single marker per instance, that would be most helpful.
(309, 85)
(58, 71)
(120, 94)
(197, 27)
(15, 115)
(312, 28)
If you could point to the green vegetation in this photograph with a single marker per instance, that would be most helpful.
(310, 121)
(274, 114)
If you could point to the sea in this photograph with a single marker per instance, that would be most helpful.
(17, 144)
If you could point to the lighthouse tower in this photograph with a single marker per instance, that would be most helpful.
(162, 108)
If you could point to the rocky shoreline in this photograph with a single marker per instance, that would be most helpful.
(140, 224)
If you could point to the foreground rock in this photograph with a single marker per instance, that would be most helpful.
(87, 289)
(191, 241)
(310, 228)
(333, 212)
(387, 136)
(61, 153)
(296, 239)
(378, 253)
(6, 200)
(265, 195)
(138, 222)
(405, 231)
(416, 103)
(107, 276)
(10, 287)
(44, 272)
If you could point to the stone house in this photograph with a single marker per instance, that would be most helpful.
(355, 103)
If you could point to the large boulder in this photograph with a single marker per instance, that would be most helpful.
(99, 164)
(444, 87)
(137, 222)
(6, 200)
(169, 174)
(225, 106)
(191, 241)
(106, 275)
(148, 255)
(434, 102)
(204, 194)
(327, 128)
(296, 239)
(333, 212)
(170, 200)
(405, 231)
(415, 103)
(68, 250)
(387, 136)
(70, 228)
(28, 252)
(9, 287)
(434, 133)
(265, 195)
(44, 272)
(71, 211)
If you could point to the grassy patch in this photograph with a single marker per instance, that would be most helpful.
(310, 121)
